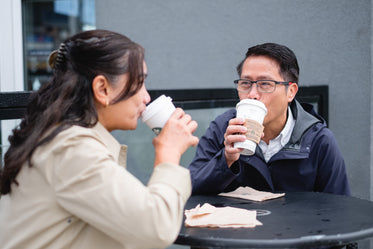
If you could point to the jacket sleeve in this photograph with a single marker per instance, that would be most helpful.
(91, 186)
(209, 171)
(331, 171)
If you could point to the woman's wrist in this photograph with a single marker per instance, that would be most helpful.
(166, 156)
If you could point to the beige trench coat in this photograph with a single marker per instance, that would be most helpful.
(77, 196)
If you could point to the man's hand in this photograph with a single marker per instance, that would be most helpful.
(234, 133)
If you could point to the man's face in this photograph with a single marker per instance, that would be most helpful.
(264, 68)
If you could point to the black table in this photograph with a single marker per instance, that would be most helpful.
(299, 219)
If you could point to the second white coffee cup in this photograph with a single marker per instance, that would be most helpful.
(253, 111)
(157, 113)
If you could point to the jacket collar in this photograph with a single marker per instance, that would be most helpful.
(303, 121)
(119, 151)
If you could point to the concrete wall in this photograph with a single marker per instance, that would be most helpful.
(197, 44)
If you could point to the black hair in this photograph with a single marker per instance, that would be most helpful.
(67, 99)
(285, 57)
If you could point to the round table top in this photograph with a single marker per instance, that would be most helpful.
(295, 220)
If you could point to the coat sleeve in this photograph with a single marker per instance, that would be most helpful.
(331, 169)
(91, 186)
(209, 171)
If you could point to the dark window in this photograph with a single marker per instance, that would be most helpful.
(45, 25)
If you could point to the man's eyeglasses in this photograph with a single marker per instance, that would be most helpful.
(263, 86)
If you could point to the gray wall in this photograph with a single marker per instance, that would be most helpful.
(198, 43)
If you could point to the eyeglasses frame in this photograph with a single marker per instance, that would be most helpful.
(287, 83)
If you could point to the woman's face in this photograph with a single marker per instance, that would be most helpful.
(124, 114)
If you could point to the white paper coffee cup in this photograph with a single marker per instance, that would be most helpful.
(253, 111)
(157, 113)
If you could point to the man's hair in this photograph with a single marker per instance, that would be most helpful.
(286, 59)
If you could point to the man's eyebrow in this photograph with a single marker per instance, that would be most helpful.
(261, 77)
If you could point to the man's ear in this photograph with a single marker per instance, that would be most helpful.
(292, 91)
(100, 87)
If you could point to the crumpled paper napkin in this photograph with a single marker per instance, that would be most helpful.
(210, 216)
(252, 194)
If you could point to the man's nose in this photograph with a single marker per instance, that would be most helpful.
(253, 92)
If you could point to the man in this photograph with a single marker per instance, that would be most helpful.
(297, 151)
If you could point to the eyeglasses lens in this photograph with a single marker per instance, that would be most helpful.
(262, 85)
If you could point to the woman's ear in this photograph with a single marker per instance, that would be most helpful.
(100, 87)
(292, 91)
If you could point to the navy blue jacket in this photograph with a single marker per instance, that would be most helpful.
(310, 161)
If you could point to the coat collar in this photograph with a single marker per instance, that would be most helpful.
(119, 151)
(303, 121)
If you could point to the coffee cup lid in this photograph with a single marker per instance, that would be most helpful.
(251, 102)
(155, 106)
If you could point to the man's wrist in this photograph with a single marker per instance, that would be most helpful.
(235, 167)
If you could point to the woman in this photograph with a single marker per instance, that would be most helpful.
(63, 185)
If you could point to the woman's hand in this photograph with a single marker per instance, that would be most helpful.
(175, 138)
(233, 134)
